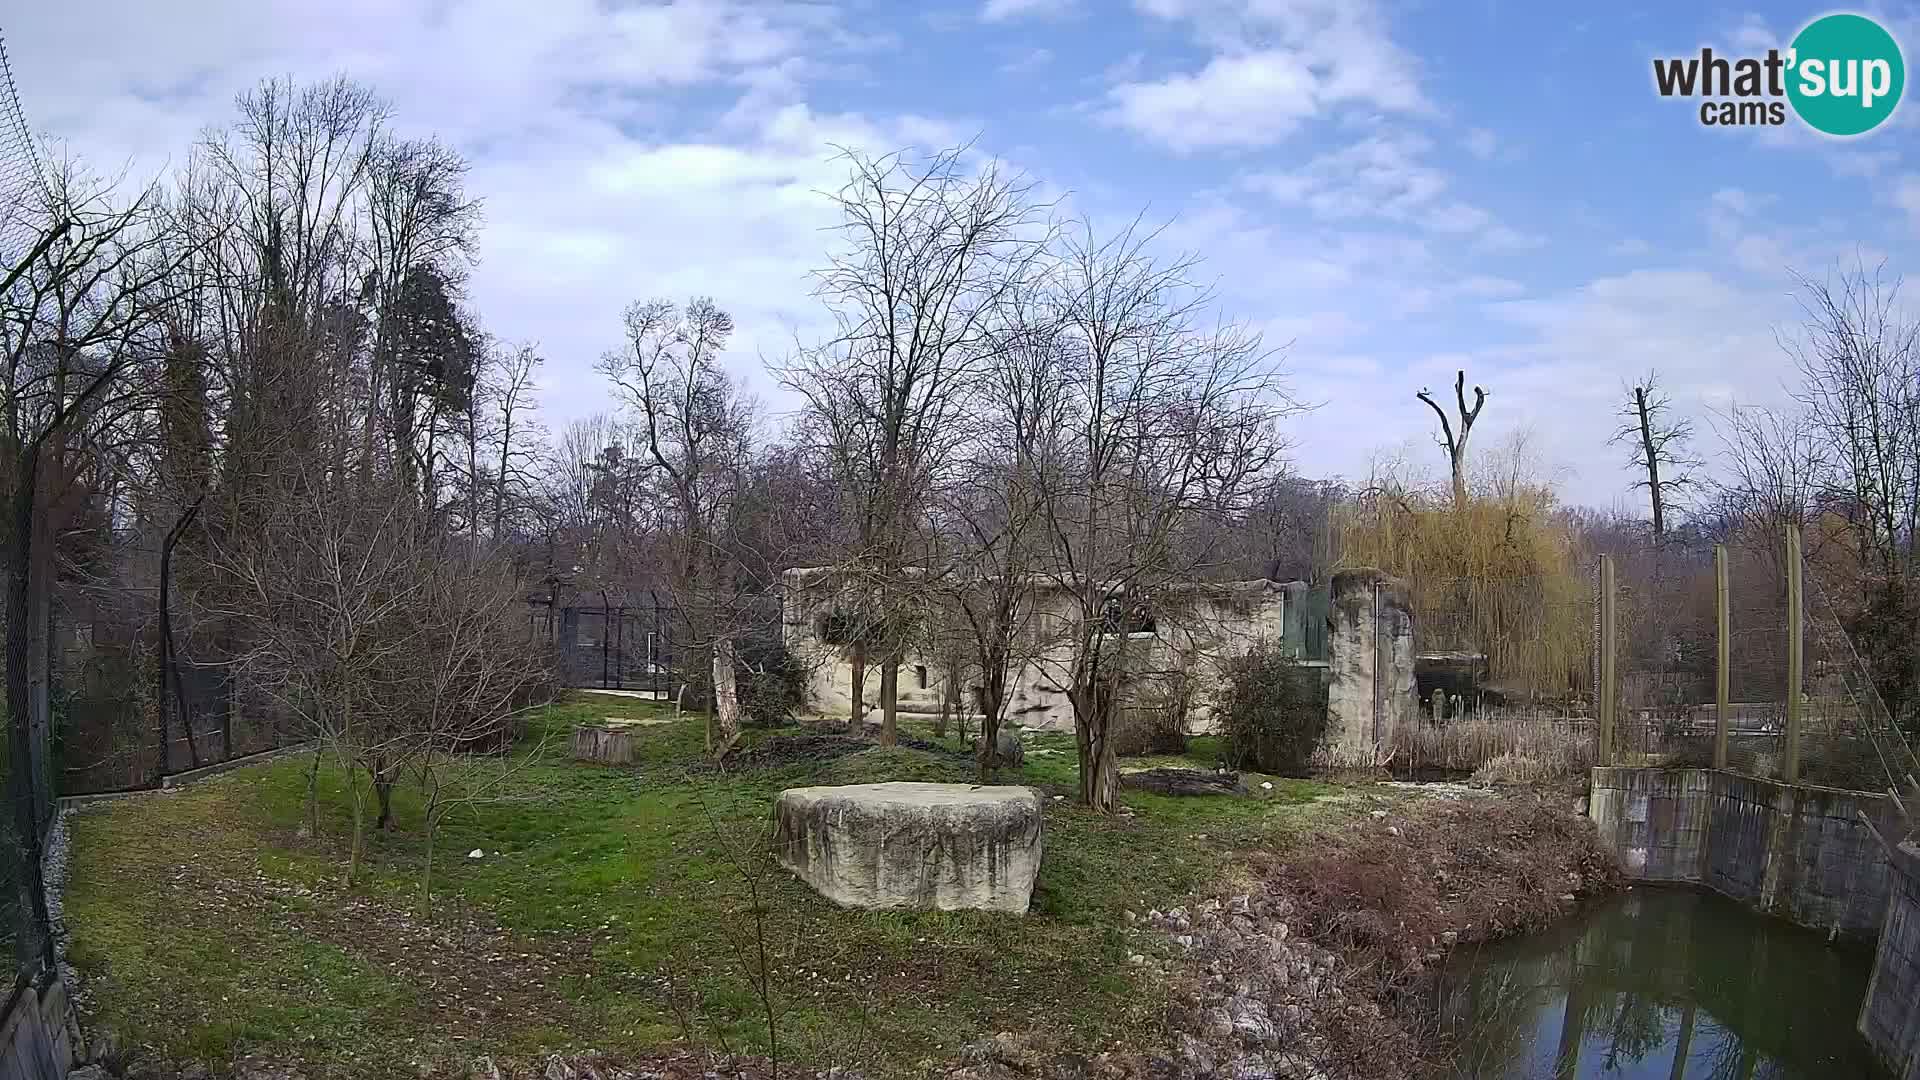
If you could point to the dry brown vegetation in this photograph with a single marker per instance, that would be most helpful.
(1498, 749)
(1390, 895)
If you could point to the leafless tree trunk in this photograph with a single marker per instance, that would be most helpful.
(1658, 447)
(932, 249)
(1456, 445)
(697, 430)
(1168, 427)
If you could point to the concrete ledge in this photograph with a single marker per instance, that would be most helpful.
(191, 775)
(1795, 851)
(1890, 1014)
(181, 779)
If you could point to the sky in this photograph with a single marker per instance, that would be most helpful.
(1389, 191)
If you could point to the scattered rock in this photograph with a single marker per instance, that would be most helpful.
(476, 853)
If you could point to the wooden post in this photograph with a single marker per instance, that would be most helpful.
(1723, 676)
(1794, 656)
(1607, 694)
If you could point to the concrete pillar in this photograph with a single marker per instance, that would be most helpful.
(1370, 689)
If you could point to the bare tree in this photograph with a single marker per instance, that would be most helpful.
(78, 326)
(1658, 444)
(931, 248)
(1167, 428)
(697, 430)
(1456, 444)
(990, 512)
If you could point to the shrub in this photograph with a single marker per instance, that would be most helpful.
(1157, 721)
(771, 681)
(1272, 711)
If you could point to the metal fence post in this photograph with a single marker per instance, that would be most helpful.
(1722, 682)
(1794, 655)
(1607, 690)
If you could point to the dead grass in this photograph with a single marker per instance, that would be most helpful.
(1511, 749)
(1391, 895)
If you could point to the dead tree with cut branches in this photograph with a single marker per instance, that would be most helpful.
(1455, 444)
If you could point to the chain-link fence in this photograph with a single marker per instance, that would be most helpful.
(1691, 663)
(21, 181)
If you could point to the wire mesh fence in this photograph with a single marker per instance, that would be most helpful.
(1516, 680)
(1738, 656)
(21, 178)
(27, 750)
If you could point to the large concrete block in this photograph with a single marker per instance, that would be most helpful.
(1370, 688)
(904, 845)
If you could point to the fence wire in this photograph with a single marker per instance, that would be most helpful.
(1509, 672)
(1668, 668)
(22, 183)
(25, 764)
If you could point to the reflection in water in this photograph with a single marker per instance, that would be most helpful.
(1661, 983)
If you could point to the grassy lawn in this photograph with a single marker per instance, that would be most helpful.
(611, 909)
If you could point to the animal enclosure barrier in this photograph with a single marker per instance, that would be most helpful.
(614, 647)
(1737, 656)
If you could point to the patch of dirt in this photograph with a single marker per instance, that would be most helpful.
(676, 1064)
(818, 746)
(1184, 782)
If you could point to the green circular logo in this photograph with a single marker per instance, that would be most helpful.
(1845, 74)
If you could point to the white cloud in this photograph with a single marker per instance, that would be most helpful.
(1027, 60)
(1003, 10)
(1906, 197)
(1247, 100)
(1385, 176)
(1276, 63)
(1482, 143)
(599, 185)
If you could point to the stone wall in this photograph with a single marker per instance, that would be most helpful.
(1370, 687)
(1890, 1015)
(1794, 851)
(35, 1036)
(1196, 628)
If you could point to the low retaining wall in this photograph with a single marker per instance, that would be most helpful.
(36, 1038)
(1890, 1015)
(1790, 850)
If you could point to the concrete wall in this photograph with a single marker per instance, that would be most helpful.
(1798, 852)
(35, 1037)
(1196, 628)
(1370, 687)
(1890, 1015)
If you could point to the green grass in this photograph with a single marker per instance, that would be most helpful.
(208, 926)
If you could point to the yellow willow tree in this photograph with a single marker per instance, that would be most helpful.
(1501, 573)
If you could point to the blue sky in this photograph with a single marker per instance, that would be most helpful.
(1392, 190)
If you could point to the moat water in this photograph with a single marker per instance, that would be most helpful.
(1661, 983)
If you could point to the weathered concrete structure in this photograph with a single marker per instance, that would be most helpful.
(1890, 1015)
(1798, 852)
(1198, 627)
(1370, 685)
(904, 845)
(1791, 850)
